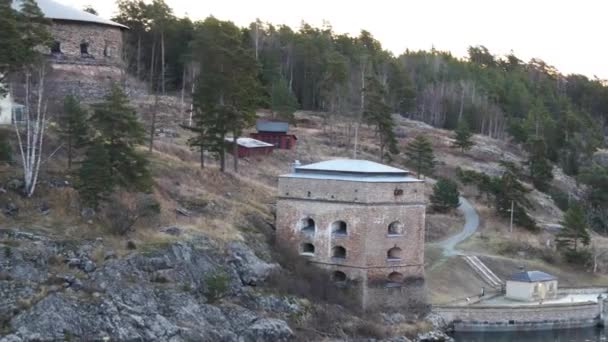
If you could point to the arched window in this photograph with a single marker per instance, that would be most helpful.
(307, 248)
(338, 252)
(395, 277)
(394, 253)
(338, 228)
(395, 228)
(339, 276)
(56, 47)
(84, 48)
(307, 224)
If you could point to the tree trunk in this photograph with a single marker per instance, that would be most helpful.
(153, 124)
(152, 64)
(69, 151)
(202, 156)
(162, 49)
(181, 102)
(235, 151)
(139, 57)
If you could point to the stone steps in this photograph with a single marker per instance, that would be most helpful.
(483, 271)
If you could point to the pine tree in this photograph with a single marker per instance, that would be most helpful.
(119, 130)
(445, 195)
(73, 126)
(10, 43)
(228, 88)
(541, 170)
(462, 138)
(574, 229)
(283, 102)
(95, 180)
(510, 192)
(419, 153)
(378, 113)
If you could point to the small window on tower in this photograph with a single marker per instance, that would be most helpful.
(84, 49)
(56, 48)
(106, 50)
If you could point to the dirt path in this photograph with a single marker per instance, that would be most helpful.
(471, 223)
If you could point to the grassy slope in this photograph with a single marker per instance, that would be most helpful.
(227, 204)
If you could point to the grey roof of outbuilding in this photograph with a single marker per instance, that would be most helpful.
(352, 170)
(531, 276)
(271, 126)
(57, 11)
(248, 142)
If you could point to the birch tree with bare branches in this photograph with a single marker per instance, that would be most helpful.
(30, 138)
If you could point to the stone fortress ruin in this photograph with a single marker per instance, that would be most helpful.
(86, 52)
(362, 221)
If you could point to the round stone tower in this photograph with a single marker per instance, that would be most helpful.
(363, 221)
(86, 53)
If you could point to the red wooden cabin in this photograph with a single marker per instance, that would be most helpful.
(275, 133)
(249, 147)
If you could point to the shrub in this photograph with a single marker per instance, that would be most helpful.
(122, 211)
(300, 278)
(216, 285)
(581, 257)
(370, 330)
(6, 151)
(445, 195)
(560, 198)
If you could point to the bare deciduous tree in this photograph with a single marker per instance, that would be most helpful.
(31, 141)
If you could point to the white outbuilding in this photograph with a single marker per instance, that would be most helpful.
(531, 286)
(9, 110)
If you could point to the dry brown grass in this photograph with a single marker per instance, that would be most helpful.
(439, 226)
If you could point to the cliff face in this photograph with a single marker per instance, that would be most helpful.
(186, 290)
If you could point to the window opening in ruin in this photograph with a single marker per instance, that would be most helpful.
(106, 50)
(394, 279)
(338, 228)
(395, 228)
(309, 194)
(84, 49)
(398, 192)
(394, 253)
(339, 276)
(308, 248)
(308, 225)
(56, 48)
(338, 252)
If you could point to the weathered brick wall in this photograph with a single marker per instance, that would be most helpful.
(346, 191)
(367, 209)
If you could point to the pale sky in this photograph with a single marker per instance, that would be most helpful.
(569, 34)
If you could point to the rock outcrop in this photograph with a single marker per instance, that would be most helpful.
(62, 290)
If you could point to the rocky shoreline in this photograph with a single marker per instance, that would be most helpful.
(192, 290)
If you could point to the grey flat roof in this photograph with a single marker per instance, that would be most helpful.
(57, 11)
(262, 125)
(352, 170)
(354, 166)
(531, 276)
(249, 142)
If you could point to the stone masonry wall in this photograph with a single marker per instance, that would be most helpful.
(576, 311)
(90, 76)
(367, 209)
(99, 37)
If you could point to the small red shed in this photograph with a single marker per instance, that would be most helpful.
(274, 132)
(249, 147)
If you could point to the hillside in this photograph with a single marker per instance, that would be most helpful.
(229, 217)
